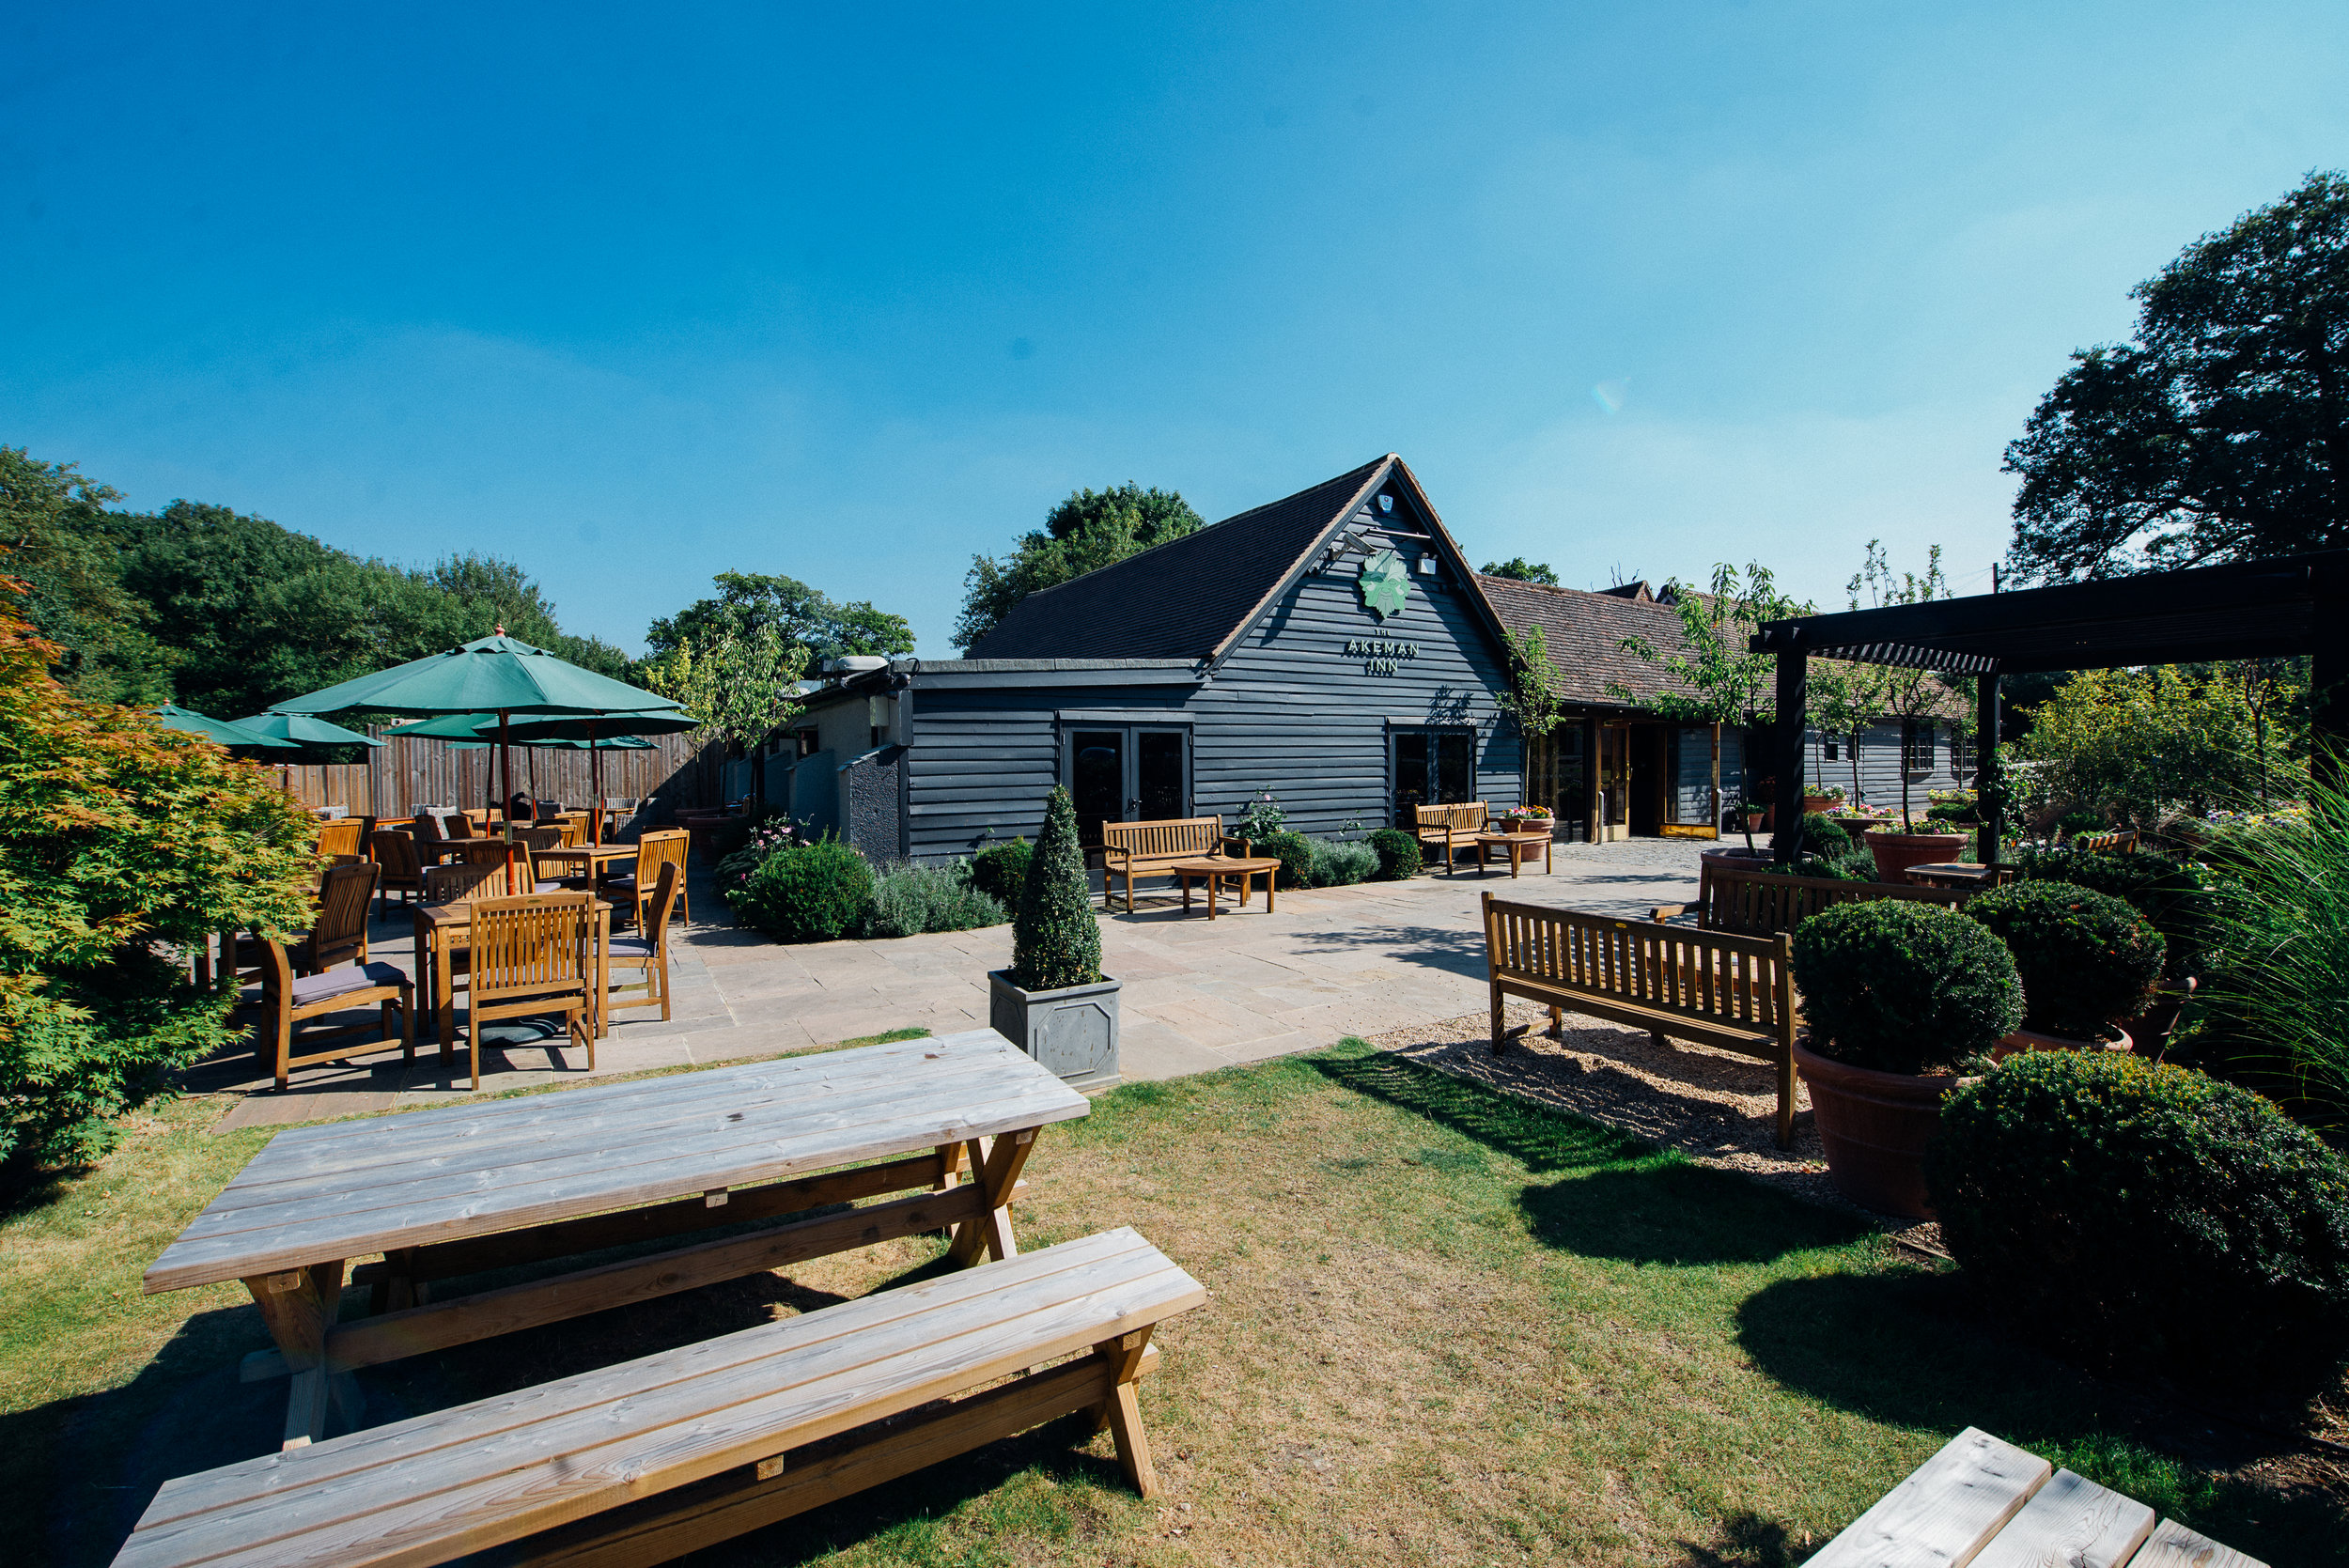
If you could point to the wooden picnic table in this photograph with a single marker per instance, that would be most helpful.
(445, 1193)
(1213, 869)
(443, 929)
(1520, 845)
(1953, 874)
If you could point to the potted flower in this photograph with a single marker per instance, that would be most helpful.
(1901, 999)
(1054, 1003)
(1819, 802)
(1898, 849)
(1527, 819)
(2087, 960)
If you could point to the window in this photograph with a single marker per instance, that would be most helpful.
(1126, 774)
(1963, 759)
(1834, 750)
(1432, 768)
(806, 737)
(1917, 745)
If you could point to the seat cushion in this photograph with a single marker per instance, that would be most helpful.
(631, 947)
(311, 988)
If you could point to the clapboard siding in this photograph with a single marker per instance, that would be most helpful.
(1290, 711)
(1879, 773)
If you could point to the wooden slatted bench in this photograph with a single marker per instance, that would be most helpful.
(1132, 849)
(1986, 1502)
(1714, 987)
(1447, 829)
(1748, 901)
(2120, 842)
(643, 1462)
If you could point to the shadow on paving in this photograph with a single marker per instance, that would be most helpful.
(1435, 947)
(1910, 1348)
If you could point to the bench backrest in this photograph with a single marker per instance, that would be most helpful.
(1745, 983)
(2096, 844)
(1733, 900)
(1460, 816)
(1175, 838)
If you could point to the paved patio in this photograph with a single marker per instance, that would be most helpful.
(1198, 994)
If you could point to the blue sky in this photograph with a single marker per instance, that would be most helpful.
(638, 294)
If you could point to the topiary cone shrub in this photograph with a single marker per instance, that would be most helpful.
(1056, 939)
(2086, 958)
(2149, 1216)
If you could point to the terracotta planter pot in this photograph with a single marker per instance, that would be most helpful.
(1738, 852)
(2151, 1029)
(1875, 1126)
(1896, 852)
(1819, 805)
(2030, 1039)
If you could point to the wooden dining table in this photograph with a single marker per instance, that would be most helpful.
(492, 1184)
(595, 856)
(446, 928)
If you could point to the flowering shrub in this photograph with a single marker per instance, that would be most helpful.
(1263, 818)
(733, 870)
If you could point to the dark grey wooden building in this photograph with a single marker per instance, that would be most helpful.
(1333, 647)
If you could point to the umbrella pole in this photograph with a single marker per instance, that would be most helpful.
(506, 794)
(595, 783)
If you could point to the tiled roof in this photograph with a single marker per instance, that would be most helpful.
(1584, 633)
(1182, 599)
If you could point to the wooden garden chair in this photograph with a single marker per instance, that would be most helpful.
(288, 1000)
(400, 866)
(533, 956)
(344, 835)
(649, 951)
(340, 935)
(633, 892)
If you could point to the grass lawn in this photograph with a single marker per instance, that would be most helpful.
(1446, 1327)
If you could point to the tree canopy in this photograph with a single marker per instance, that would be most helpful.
(748, 603)
(1089, 529)
(2221, 430)
(1523, 571)
(227, 612)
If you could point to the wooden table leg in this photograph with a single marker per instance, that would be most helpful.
(604, 979)
(999, 1173)
(444, 995)
(1271, 881)
(299, 1306)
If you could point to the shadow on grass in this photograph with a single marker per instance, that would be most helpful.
(1543, 1139)
(1665, 1211)
(1910, 1349)
(1744, 1539)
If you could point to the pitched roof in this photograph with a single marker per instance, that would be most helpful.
(1184, 598)
(1584, 631)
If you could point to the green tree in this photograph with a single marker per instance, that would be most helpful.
(797, 614)
(59, 539)
(2221, 431)
(1535, 682)
(1912, 696)
(117, 840)
(1089, 529)
(1523, 571)
(742, 687)
(2136, 744)
(1722, 680)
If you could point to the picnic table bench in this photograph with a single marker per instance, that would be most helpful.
(659, 1456)
(1132, 849)
(1986, 1502)
(1716, 988)
(446, 1193)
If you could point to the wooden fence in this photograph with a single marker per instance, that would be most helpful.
(408, 772)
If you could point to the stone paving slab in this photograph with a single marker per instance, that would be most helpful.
(1198, 994)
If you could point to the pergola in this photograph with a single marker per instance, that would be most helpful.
(2293, 604)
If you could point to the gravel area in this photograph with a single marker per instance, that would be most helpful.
(1713, 1106)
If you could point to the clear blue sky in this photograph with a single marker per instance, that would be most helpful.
(636, 294)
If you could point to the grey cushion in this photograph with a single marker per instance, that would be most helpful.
(631, 947)
(311, 988)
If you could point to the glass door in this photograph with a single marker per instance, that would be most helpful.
(1127, 774)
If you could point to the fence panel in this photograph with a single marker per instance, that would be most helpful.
(408, 772)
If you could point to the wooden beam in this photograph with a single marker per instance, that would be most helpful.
(2328, 680)
(1990, 799)
(1793, 696)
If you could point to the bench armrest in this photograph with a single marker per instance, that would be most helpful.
(1237, 847)
(1669, 911)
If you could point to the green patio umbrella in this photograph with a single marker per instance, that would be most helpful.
(467, 732)
(497, 675)
(300, 729)
(176, 718)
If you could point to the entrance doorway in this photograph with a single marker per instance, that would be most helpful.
(1432, 768)
(1127, 773)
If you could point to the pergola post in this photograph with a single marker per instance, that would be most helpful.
(1990, 797)
(2328, 677)
(1794, 696)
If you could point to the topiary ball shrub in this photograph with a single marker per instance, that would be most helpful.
(2148, 1214)
(1001, 872)
(2175, 896)
(2086, 958)
(1055, 938)
(1398, 854)
(1295, 853)
(1825, 837)
(1904, 987)
(814, 892)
